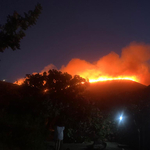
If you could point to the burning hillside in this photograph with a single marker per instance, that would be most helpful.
(133, 64)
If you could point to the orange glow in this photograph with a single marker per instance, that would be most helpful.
(45, 90)
(20, 81)
(132, 64)
(107, 78)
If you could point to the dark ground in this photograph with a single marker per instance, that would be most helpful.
(84, 146)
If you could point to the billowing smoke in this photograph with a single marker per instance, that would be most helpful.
(46, 69)
(133, 62)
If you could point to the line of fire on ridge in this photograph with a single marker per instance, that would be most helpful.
(102, 79)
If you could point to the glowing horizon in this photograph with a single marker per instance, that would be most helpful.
(107, 78)
(99, 79)
(133, 64)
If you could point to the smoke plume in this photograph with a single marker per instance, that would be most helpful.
(133, 62)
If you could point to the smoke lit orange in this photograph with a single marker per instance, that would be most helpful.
(133, 64)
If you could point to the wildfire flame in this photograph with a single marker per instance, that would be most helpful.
(20, 81)
(132, 64)
(107, 78)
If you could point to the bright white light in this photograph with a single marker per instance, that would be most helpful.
(4, 80)
(120, 118)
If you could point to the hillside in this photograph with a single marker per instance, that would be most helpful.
(98, 89)
(7, 87)
(114, 87)
(8, 91)
(115, 93)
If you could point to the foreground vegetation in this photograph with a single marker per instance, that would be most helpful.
(28, 115)
(29, 112)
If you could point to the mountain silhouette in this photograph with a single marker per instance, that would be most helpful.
(115, 93)
(107, 92)
(114, 87)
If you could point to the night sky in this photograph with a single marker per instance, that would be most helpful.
(66, 29)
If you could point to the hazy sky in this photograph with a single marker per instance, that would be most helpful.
(66, 29)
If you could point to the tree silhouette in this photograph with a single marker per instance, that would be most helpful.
(64, 94)
(13, 31)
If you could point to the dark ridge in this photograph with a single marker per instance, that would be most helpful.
(8, 90)
(7, 86)
(116, 86)
(106, 89)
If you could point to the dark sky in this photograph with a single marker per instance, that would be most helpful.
(66, 29)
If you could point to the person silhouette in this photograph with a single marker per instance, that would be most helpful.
(59, 133)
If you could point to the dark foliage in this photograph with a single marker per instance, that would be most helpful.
(65, 95)
(13, 31)
(29, 112)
